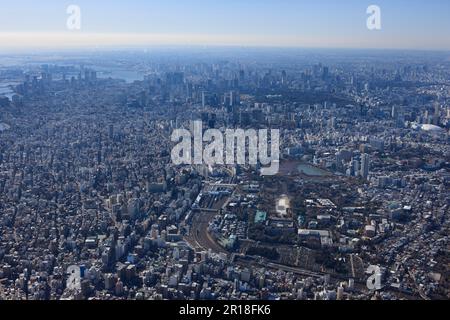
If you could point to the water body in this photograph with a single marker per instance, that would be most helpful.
(312, 171)
(128, 75)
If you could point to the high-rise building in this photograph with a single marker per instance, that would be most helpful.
(365, 164)
(340, 293)
(233, 99)
(204, 99)
(437, 114)
(111, 131)
(354, 167)
(394, 112)
(283, 77)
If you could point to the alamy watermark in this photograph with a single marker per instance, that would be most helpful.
(236, 147)
(374, 20)
(73, 281)
(375, 276)
(74, 20)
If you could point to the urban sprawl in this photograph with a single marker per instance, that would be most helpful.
(92, 206)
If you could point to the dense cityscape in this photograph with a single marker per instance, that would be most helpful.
(93, 208)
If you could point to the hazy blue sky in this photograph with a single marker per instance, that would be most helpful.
(417, 24)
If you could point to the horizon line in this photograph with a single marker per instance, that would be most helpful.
(77, 40)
